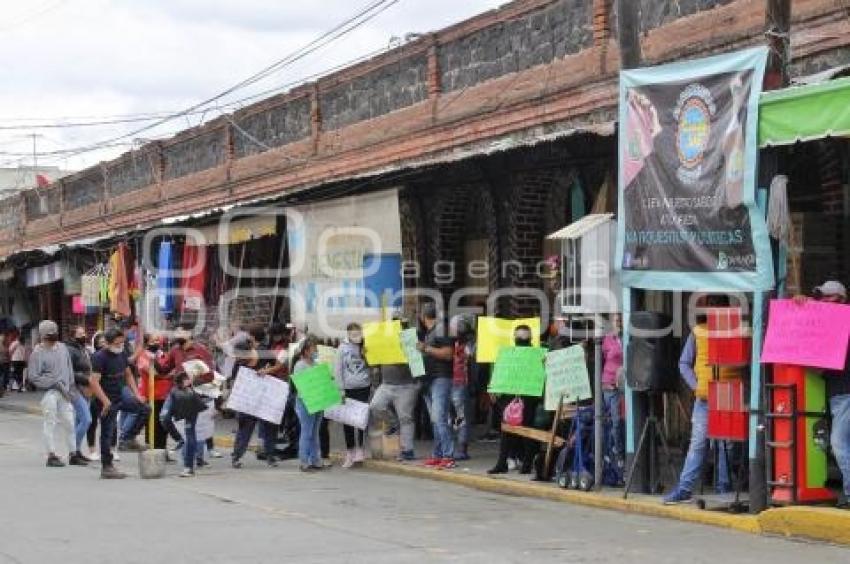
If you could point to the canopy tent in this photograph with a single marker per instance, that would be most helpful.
(805, 113)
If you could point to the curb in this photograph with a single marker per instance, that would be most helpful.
(813, 523)
(29, 410)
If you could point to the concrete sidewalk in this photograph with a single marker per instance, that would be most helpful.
(815, 523)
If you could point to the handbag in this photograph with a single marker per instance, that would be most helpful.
(512, 415)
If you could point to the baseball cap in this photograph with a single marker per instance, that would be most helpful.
(831, 288)
(48, 327)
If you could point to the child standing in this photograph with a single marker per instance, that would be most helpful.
(186, 404)
(352, 373)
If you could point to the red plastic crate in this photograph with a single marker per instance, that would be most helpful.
(729, 342)
(728, 418)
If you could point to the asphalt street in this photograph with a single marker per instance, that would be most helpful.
(258, 514)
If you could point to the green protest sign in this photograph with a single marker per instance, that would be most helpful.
(317, 388)
(409, 340)
(519, 371)
(566, 373)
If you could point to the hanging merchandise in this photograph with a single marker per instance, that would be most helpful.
(194, 277)
(119, 296)
(165, 278)
(93, 287)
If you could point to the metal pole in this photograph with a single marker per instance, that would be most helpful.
(599, 418)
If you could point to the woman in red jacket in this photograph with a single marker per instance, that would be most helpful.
(146, 359)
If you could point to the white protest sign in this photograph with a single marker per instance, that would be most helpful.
(352, 413)
(263, 397)
(204, 425)
(566, 373)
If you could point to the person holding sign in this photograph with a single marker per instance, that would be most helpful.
(612, 369)
(838, 394)
(513, 446)
(352, 373)
(309, 447)
(438, 351)
(462, 329)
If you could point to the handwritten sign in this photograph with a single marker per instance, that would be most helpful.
(812, 334)
(317, 388)
(409, 340)
(327, 355)
(351, 412)
(519, 371)
(263, 397)
(383, 343)
(566, 373)
(495, 334)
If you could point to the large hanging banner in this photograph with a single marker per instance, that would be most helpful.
(688, 154)
(345, 261)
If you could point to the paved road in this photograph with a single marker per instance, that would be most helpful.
(257, 514)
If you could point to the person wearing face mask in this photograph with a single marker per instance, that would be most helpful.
(112, 382)
(461, 329)
(309, 446)
(50, 369)
(97, 343)
(438, 352)
(146, 358)
(352, 373)
(81, 362)
(513, 445)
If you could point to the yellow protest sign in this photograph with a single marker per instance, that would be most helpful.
(383, 343)
(494, 334)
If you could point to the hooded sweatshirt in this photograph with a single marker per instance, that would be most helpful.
(351, 369)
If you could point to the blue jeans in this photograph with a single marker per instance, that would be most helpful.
(611, 403)
(460, 402)
(82, 418)
(190, 448)
(697, 450)
(438, 400)
(309, 449)
(840, 439)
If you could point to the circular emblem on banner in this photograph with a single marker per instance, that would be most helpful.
(694, 131)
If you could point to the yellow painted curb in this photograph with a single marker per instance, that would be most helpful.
(817, 523)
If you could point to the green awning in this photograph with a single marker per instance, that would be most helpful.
(805, 113)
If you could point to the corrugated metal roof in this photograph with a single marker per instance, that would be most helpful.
(584, 225)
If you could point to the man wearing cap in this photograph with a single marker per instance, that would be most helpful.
(50, 364)
(838, 394)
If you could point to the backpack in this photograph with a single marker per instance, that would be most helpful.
(512, 415)
(44, 380)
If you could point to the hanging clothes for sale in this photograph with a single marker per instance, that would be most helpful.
(164, 277)
(194, 277)
(119, 288)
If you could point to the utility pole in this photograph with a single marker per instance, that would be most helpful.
(778, 35)
(628, 15)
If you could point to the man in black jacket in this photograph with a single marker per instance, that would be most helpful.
(81, 362)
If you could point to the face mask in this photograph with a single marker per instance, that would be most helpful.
(117, 349)
(180, 342)
(522, 342)
(153, 348)
(51, 338)
(356, 339)
(314, 357)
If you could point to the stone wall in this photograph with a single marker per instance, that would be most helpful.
(34, 207)
(276, 126)
(194, 154)
(539, 37)
(375, 93)
(84, 190)
(11, 212)
(132, 172)
(656, 13)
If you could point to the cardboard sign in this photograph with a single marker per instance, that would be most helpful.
(327, 355)
(519, 371)
(812, 334)
(495, 334)
(317, 388)
(261, 396)
(351, 412)
(409, 340)
(383, 343)
(566, 374)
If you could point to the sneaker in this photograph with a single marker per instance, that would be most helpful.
(94, 456)
(77, 459)
(187, 473)
(307, 469)
(432, 462)
(406, 456)
(54, 461)
(216, 454)
(447, 464)
(513, 464)
(498, 469)
(200, 463)
(115, 456)
(236, 463)
(111, 473)
(271, 461)
(678, 496)
(349, 459)
(359, 456)
(131, 446)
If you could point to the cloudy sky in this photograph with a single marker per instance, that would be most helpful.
(82, 61)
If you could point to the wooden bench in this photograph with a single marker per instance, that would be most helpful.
(550, 438)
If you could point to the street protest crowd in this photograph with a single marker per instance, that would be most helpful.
(287, 385)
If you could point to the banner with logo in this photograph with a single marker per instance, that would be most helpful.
(688, 156)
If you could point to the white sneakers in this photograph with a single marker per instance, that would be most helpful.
(354, 456)
(349, 459)
(359, 455)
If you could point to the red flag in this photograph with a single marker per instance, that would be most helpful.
(42, 181)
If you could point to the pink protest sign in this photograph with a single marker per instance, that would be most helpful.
(813, 334)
